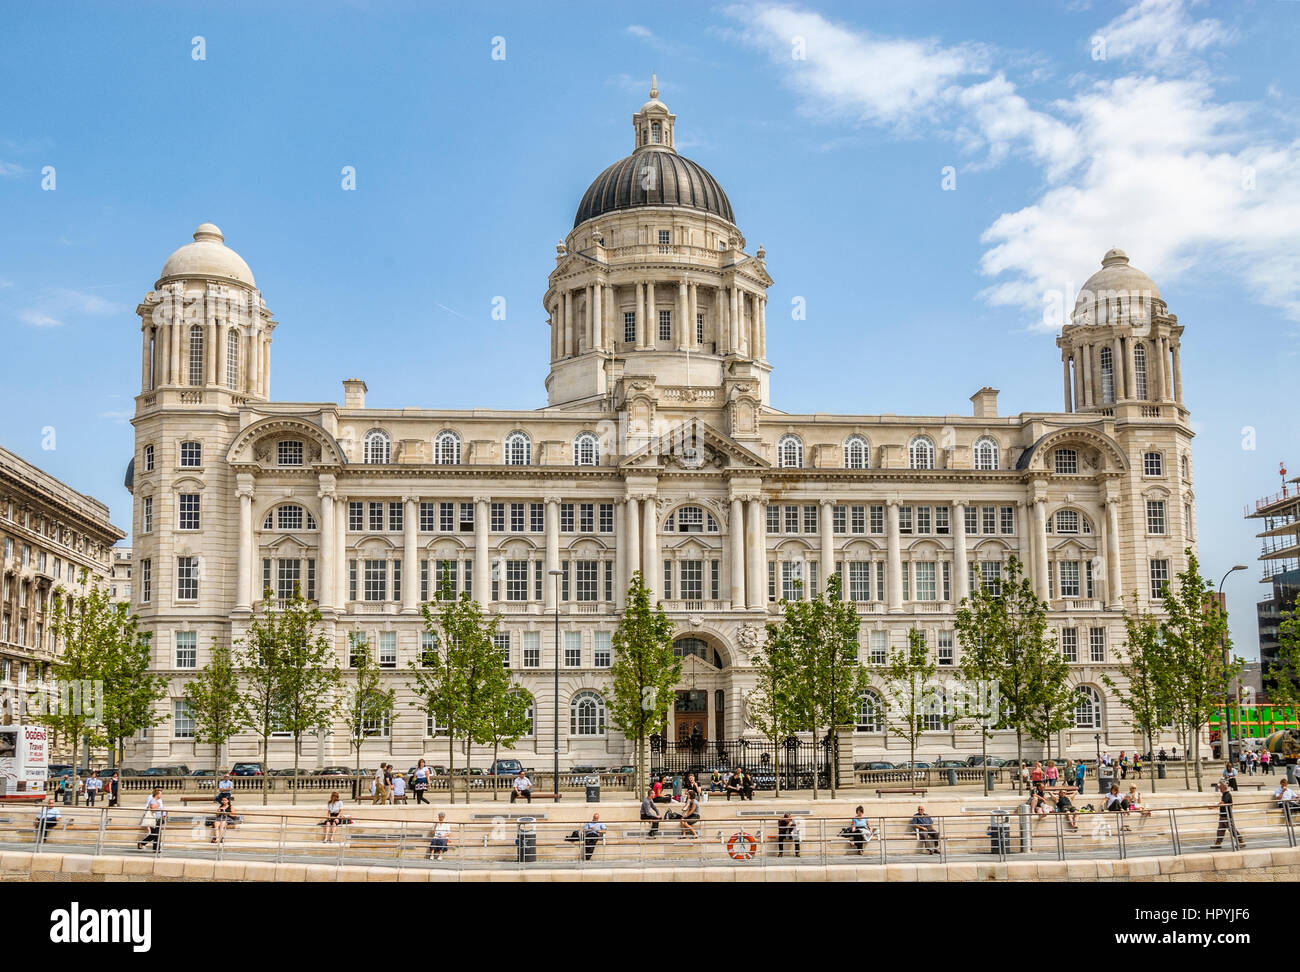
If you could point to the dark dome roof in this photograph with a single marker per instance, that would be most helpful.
(677, 181)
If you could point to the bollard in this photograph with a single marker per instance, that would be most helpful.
(952, 776)
(1025, 844)
(989, 774)
(1160, 771)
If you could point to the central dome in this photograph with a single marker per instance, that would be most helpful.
(654, 177)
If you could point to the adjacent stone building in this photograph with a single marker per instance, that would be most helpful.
(658, 450)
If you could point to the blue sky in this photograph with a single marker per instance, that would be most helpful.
(1179, 143)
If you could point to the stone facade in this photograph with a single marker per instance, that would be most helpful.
(55, 542)
(658, 451)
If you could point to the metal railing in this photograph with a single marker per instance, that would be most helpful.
(978, 835)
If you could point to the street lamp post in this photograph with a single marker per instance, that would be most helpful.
(1227, 700)
(555, 700)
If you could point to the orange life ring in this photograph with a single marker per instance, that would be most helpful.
(742, 847)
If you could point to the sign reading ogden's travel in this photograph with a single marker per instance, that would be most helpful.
(24, 758)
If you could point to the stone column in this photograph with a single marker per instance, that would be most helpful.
(683, 332)
(410, 568)
(651, 568)
(756, 556)
(733, 320)
(959, 562)
(736, 527)
(761, 353)
(828, 542)
(1113, 582)
(621, 579)
(341, 551)
(552, 550)
(482, 566)
(1040, 548)
(640, 315)
(1065, 363)
(567, 297)
(1088, 398)
(895, 553)
(326, 554)
(589, 317)
(1178, 376)
(633, 537)
(693, 311)
(244, 570)
(223, 362)
(177, 344)
(555, 333)
(145, 357)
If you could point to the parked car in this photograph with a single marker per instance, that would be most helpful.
(246, 769)
(950, 764)
(206, 778)
(171, 769)
(290, 771)
(335, 771)
(55, 770)
(879, 766)
(505, 767)
(992, 762)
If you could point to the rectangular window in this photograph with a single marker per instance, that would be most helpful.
(991, 576)
(1008, 519)
(352, 580)
(945, 648)
(602, 654)
(941, 519)
(191, 454)
(665, 325)
(989, 519)
(516, 580)
(467, 568)
(810, 519)
(564, 581)
(446, 517)
(187, 578)
(1156, 517)
(924, 572)
(466, 517)
(774, 519)
(537, 580)
(573, 649)
(397, 580)
(907, 581)
(606, 518)
(691, 579)
(922, 519)
(532, 650)
(187, 511)
(714, 578)
(858, 521)
(877, 520)
(187, 650)
(288, 577)
(839, 519)
(879, 647)
(972, 519)
(146, 517)
(444, 574)
(1152, 464)
(566, 517)
(668, 579)
(502, 643)
(771, 580)
(516, 517)
(376, 580)
(537, 517)
(356, 521)
(586, 518)
(1070, 644)
(904, 519)
(497, 524)
(1159, 573)
(146, 580)
(376, 520)
(288, 453)
(629, 327)
(1067, 461)
(1097, 644)
(792, 519)
(859, 580)
(1087, 572)
(182, 718)
(792, 580)
(148, 462)
(1069, 575)
(388, 649)
(395, 517)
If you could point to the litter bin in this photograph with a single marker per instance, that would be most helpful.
(952, 776)
(989, 781)
(526, 840)
(1290, 772)
(999, 833)
(1160, 771)
(593, 789)
(1104, 783)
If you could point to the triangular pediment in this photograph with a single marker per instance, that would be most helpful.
(694, 444)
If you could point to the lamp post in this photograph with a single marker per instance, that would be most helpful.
(555, 700)
(1097, 738)
(1227, 700)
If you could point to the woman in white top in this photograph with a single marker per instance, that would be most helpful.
(333, 809)
(154, 812)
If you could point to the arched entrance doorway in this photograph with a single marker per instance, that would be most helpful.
(699, 714)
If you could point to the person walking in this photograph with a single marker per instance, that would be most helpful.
(1123, 765)
(154, 814)
(1265, 764)
(113, 784)
(1052, 773)
(649, 812)
(333, 810)
(1080, 771)
(1137, 765)
(1226, 823)
(379, 792)
(93, 785)
(420, 782)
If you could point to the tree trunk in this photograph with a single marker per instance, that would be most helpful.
(1152, 762)
(265, 767)
(984, 759)
(469, 752)
(1020, 759)
(451, 764)
(495, 749)
(297, 743)
(814, 762)
(1187, 770)
(776, 763)
(1195, 737)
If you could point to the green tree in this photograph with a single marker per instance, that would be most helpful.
(506, 721)
(909, 674)
(1053, 705)
(1145, 672)
(1284, 677)
(1195, 630)
(979, 624)
(261, 669)
(309, 681)
(770, 706)
(644, 673)
(1026, 643)
(365, 702)
(215, 702)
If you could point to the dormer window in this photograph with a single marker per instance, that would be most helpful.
(288, 453)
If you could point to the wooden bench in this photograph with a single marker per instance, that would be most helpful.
(542, 796)
(914, 790)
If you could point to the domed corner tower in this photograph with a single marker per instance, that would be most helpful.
(653, 286)
(1120, 348)
(205, 330)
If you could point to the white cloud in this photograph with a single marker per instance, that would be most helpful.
(1155, 165)
(54, 307)
(10, 170)
(38, 319)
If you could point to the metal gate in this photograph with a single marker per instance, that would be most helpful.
(797, 763)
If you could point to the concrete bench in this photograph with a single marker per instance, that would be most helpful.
(772, 814)
(914, 790)
(506, 816)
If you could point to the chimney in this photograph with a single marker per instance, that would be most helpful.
(354, 393)
(986, 402)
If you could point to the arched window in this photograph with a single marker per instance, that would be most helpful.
(656, 133)
(1107, 377)
(690, 519)
(446, 448)
(857, 454)
(1087, 708)
(196, 354)
(587, 715)
(1140, 369)
(290, 516)
(699, 648)
(920, 453)
(376, 448)
(519, 449)
(870, 713)
(586, 450)
(789, 452)
(232, 359)
(986, 453)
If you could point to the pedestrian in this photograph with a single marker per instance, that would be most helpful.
(440, 838)
(66, 790)
(1123, 765)
(333, 810)
(1265, 764)
(420, 782)
(1243, 758)
(46, 820)
(787, 832)
(154, 814)
(226, 788)
(379, 789)
(1137, 765)
(388, 782)
(1226, 822)
(747, 785)
(113, 784)
(592, 832)
(93, 786)
(523, 787)
(1051, 773)
(1230, 775)
(1080, 771)
(221, 820)
(649, 812)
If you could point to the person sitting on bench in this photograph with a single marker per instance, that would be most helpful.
(1286, 797)
(523, 787)
(658, 791)
(690, 817)
(746, 785)
(735, 784)
(441, 835)
(650, 812)
(925, 830)
(47, 819)
(860, 829)
(1065, 806)
(592, 831)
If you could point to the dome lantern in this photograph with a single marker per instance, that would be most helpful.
(652, 126)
